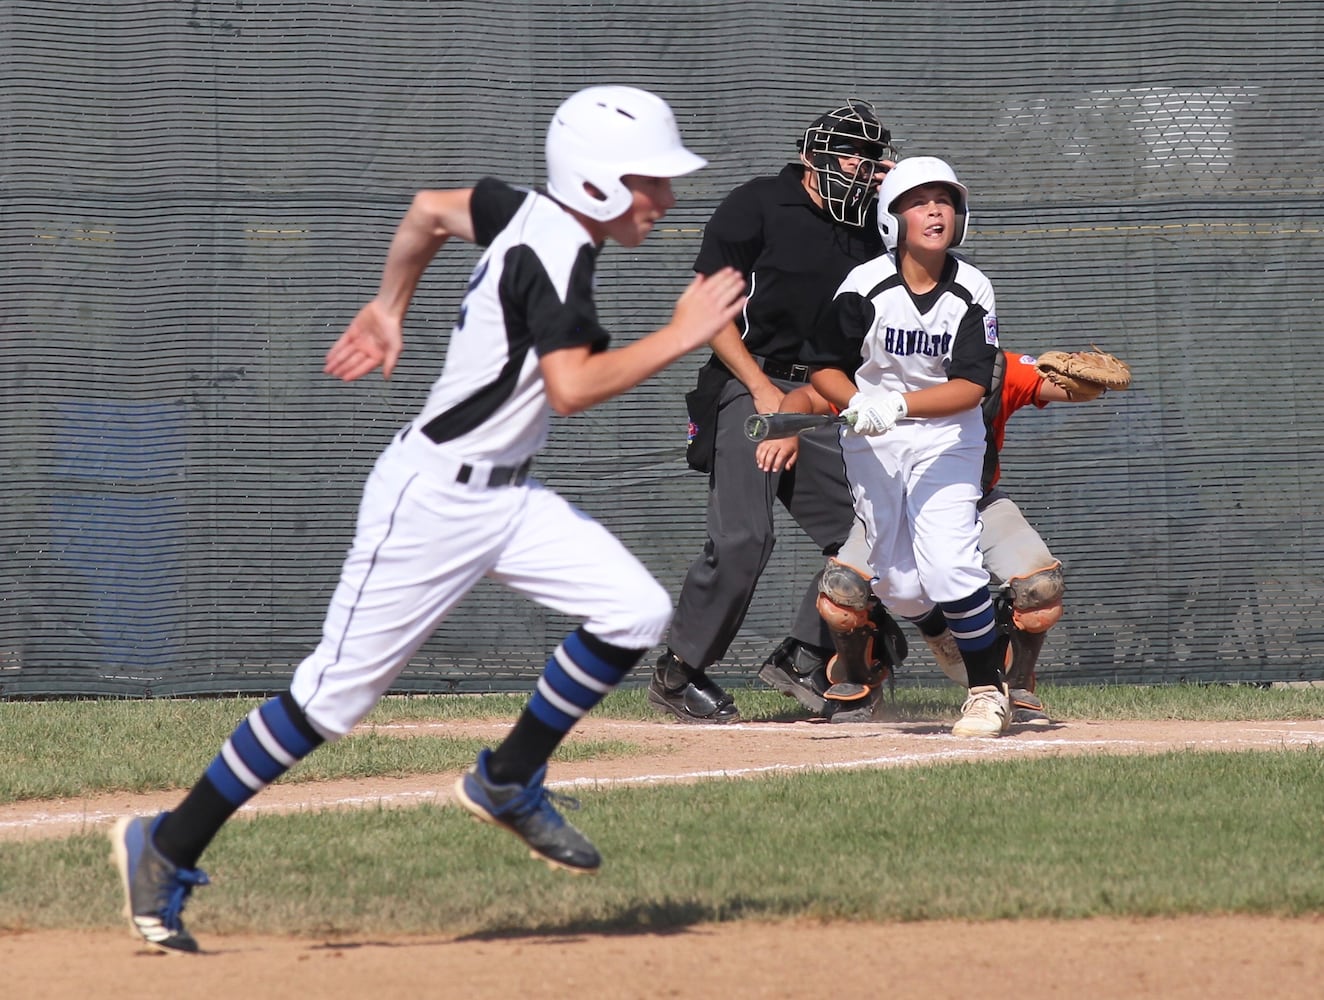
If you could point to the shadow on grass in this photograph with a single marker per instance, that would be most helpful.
(653, 919)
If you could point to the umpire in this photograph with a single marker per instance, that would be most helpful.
(794, 235)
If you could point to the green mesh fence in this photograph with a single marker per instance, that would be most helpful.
(196, 197)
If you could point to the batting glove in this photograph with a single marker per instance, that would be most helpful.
(875, 414)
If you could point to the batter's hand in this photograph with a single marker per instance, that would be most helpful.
(706, 307)
(875, 414)
(777, 454)
(375, 337)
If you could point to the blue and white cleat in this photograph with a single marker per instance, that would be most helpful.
(528, 811)
(155, 890)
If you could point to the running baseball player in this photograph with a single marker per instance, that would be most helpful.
(1025, 573)
(795, 236)
(907, 351)
(451, 499)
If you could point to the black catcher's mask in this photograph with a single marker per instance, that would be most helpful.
(850, 131)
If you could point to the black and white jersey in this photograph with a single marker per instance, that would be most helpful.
(530, 294)
(885, 337)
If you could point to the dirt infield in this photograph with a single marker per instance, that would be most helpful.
(1208, 957)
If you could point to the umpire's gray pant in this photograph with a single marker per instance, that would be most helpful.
(718, 588)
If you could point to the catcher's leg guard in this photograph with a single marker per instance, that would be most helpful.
(851, 670)
(1025, 650)
(1036, 598)
(843, 601)
(884, 649)
(1026, 707)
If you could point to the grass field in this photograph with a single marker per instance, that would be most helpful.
(1174, 833)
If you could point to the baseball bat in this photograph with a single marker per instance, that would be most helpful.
(761, 426)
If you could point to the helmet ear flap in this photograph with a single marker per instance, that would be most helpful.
(910, 173)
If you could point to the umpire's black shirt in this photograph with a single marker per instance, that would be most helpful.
(793, 254)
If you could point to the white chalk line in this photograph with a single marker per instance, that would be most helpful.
(978, 749)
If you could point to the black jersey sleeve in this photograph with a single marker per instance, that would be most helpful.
(491, 206)
(975, 348)
(838, 338)
(530, 299)
(733, 236)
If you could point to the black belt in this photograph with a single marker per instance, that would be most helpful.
(498, 475)
(784, 370)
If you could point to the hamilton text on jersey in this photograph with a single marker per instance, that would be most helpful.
(916, 342)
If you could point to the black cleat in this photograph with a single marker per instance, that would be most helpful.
(866, 709)
(798, 672)
(1028, 710)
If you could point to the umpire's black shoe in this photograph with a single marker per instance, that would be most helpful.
(689, 694)
(797, 671)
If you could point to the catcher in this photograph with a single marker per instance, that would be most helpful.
(1028, 578)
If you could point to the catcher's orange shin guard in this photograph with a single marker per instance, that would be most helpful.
(851, 670)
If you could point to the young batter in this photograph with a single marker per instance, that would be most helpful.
(1023, 570)
(908, 349)
(450, 500)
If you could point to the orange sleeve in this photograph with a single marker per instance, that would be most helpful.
(1020, 385)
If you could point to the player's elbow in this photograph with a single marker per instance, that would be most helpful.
(569, 395)
(566, 404)
(569, 381)
(965, 395)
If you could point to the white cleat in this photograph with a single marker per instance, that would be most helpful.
(986, 712)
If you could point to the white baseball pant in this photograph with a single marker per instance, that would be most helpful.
(915, 489)
(423, 541)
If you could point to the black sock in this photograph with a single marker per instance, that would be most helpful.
(528, 746)
(932, 624)
(187, 829)
(985, 668)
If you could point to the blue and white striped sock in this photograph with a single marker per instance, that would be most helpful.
(581, 672)
(269, 742)
(972, 621)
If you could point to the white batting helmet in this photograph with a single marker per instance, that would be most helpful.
(599, 135)
(913, 172)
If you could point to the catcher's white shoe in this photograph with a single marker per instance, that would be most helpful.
(986, 712)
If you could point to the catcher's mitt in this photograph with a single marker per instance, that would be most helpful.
(1084, 374)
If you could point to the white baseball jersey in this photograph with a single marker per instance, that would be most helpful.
(531, 293)
(885, 337)
(916, 486)
(449, 502)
